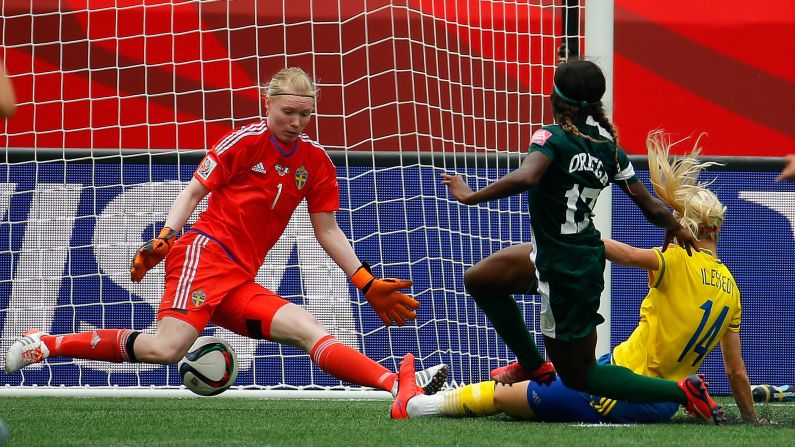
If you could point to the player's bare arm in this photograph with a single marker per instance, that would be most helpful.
(8, 100)
(737, 375)
(656, 213)
(515, 182)
(627, 255)
(788, 173)
(383, 294)
(185, 203)
(334, 241)
(155, 250)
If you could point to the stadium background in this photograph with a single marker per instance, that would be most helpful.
(712, 69)
(710, 66)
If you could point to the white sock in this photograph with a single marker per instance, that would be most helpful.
(422, 405)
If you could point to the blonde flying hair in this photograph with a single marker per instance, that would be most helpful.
(290, 81)
(676, 182)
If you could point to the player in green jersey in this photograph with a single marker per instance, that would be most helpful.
(692, 304)
(568, 165)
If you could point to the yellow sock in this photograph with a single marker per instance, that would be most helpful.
(476, 399)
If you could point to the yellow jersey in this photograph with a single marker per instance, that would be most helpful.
(692, 302)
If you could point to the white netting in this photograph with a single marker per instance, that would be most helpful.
(409, 89)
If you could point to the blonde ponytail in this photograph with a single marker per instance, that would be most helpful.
(676, 183)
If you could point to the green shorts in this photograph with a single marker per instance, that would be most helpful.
(570, 305)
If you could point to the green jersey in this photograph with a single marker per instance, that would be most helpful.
(567, 244)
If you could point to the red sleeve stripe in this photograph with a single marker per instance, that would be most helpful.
(234, 137)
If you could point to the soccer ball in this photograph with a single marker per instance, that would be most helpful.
(209, 367)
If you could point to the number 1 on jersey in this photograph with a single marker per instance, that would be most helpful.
(588, 196)
(278, 193)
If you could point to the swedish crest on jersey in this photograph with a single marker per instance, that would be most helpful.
(198, 297)
(301, 174)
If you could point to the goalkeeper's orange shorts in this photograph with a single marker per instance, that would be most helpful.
(204, 285)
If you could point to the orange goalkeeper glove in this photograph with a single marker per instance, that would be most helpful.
(382, 294)
(151, 253)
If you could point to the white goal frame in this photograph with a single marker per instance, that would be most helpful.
(598, 34)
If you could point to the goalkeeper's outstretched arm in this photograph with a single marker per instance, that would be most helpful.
(153, 251)
(383, 295)
(185, 204)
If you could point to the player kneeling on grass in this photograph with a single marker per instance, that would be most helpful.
(566, 167)
(692, 304)
(257, 175)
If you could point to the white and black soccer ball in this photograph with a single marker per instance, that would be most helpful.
(209, 367)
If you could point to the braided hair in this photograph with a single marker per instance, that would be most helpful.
(579, 87)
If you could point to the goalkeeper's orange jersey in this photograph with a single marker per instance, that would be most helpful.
(692, 302)
(256, 183)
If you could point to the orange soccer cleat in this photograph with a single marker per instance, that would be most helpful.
(407, 388)
(699, 403)
(514, 373)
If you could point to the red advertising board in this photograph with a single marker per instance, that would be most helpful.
(419, 75)
(721, 67)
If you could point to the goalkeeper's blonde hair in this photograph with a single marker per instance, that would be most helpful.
(290, 81)
(676, 182)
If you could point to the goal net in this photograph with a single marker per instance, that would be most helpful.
(118, 100)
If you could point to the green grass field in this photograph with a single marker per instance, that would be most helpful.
(48, 421)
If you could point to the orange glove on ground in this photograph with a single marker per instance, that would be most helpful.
(151, 253)
(383, 296)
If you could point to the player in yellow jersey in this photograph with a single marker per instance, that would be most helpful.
(693, 304)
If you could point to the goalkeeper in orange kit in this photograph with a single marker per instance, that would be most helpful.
(257, 175)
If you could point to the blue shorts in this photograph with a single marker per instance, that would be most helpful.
(557, 403)
(621, 412)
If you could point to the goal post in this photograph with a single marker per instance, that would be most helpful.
(118, 100)
(599, 31)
